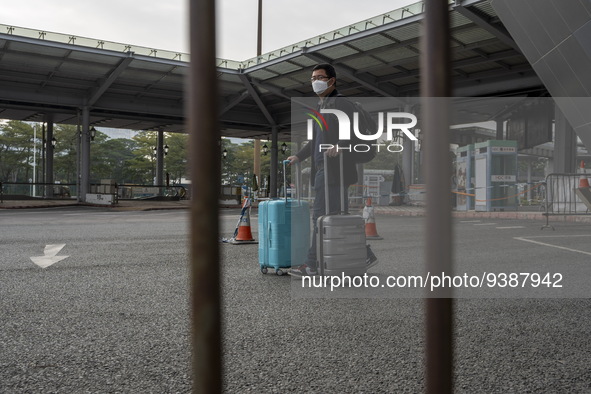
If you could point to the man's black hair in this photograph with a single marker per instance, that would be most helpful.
(330, 71)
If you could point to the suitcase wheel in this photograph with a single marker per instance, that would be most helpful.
(264, 270)
(279, 272)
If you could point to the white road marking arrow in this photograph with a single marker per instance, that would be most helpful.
(50, 256)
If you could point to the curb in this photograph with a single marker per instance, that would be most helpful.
(492, 215)
(38, 206)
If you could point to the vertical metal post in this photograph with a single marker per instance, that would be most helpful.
(204, 136)
(274, 164)
(85, 154)
(257, 160)
(260, 29)
(49, 178)
(160, 159)
(435, 89)
(43, 178)
(408, 153)
(34, 191)
(78, 135)
(257, 142)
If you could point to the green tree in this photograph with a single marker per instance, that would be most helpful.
(176, 161)
(144, 161)
(16, 151)
(65, 153)
(240, 161)
(115, 159)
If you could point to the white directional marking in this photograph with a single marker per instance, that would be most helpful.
(554, 246)
(50, 256)
(508, 227)
(484, 224)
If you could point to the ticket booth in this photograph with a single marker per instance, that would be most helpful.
(465, 178)
(495, 170)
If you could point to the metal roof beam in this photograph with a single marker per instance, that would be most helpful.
(257, 99)
(462, 48)
(338, 41)
(398, 44)
(237, 99)
(480, 79)
(280, 92)
(146, 90)
(274, 90)
(455, 65)
(4, 49)
(483, 22)
(109, 81)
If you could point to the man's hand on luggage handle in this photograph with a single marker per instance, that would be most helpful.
(293, 159)
(333, 152)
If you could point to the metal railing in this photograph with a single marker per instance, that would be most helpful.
(561, 197)
(25, 190)
(142, 192)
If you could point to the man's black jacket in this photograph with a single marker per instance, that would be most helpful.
(331, 136)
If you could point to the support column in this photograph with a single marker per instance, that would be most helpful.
(43, 152)
(160, 158)
(274, 163)
(49, 178)
(84, 155)
(529, 185)
(78, 134)
(500, 130)
(565, 145)
(408, 153)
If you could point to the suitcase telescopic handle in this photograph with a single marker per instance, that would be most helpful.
(342, 188)
(297, 179)
(298, 182)
(285, 163)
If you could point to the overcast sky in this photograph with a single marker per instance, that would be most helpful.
(163, 24)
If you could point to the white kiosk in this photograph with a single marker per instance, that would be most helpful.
(495, 169)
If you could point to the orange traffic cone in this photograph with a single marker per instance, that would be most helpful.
(371, 232)
(243, 233)
(583, 181)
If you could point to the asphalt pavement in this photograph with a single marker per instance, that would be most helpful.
(113, 315)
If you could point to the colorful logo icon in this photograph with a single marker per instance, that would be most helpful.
(319, 119)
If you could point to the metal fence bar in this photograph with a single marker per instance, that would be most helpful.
(435, 93)
(204, 154)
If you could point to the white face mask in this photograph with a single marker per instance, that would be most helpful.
(319, 86)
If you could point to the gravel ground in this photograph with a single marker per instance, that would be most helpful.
(113, 318)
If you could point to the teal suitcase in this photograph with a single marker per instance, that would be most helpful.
(284, 232)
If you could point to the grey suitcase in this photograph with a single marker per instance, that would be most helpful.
(341, 239)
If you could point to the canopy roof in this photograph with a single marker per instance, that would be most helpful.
(143, 89)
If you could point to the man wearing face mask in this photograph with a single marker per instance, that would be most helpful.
(324, 82)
